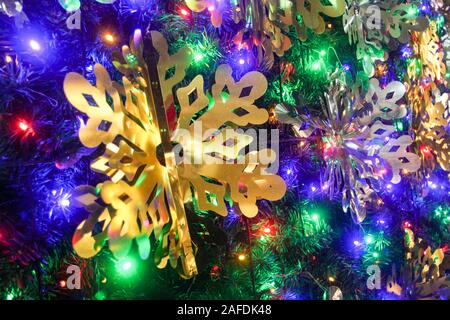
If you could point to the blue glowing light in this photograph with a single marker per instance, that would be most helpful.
(346, 67)
(34, 45)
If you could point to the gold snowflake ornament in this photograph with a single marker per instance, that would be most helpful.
(152, 169)
(268, 21)
(424, 272)
(431, 107)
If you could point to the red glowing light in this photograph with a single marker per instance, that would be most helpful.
(62, 284)
(23, 126)
(407, 225)
(425, 150)
(184, 12)
(267, 230)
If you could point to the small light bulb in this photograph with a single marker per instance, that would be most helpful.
(241, 257)
(316, 65)
(64, 202)
(198, 57)
(126, 265)
(8, 59)
(241, 61)
(184, 12)
(109, 38)
(23, 126)
(34, 45)
(267, 230)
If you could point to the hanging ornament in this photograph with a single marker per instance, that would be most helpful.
(307, 15)
(263, 29)
(372, 24)
(304, 15)
(356, 145)
(430, 106)
(150, 179)
(424, 274)
(266, 22)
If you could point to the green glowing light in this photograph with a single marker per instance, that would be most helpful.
(132, 59)
(413, 11)
(375, 254)
(204, 50)
(126, 267)
(443, 214)
(315, 217)
(399, 126)
(70, 5)
(440, 21)
(10, 296)
(368, 239)
(198, 57)
(100, 295)
(316, 66)
(323, 53)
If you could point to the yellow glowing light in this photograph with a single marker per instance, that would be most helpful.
(331, 279)
(241, 257)
(109, 38)
(8, 59)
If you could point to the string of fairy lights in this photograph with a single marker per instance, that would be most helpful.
(314, 219)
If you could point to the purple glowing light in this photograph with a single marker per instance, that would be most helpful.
(346, 67)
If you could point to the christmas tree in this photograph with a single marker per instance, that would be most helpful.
(332, 116)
